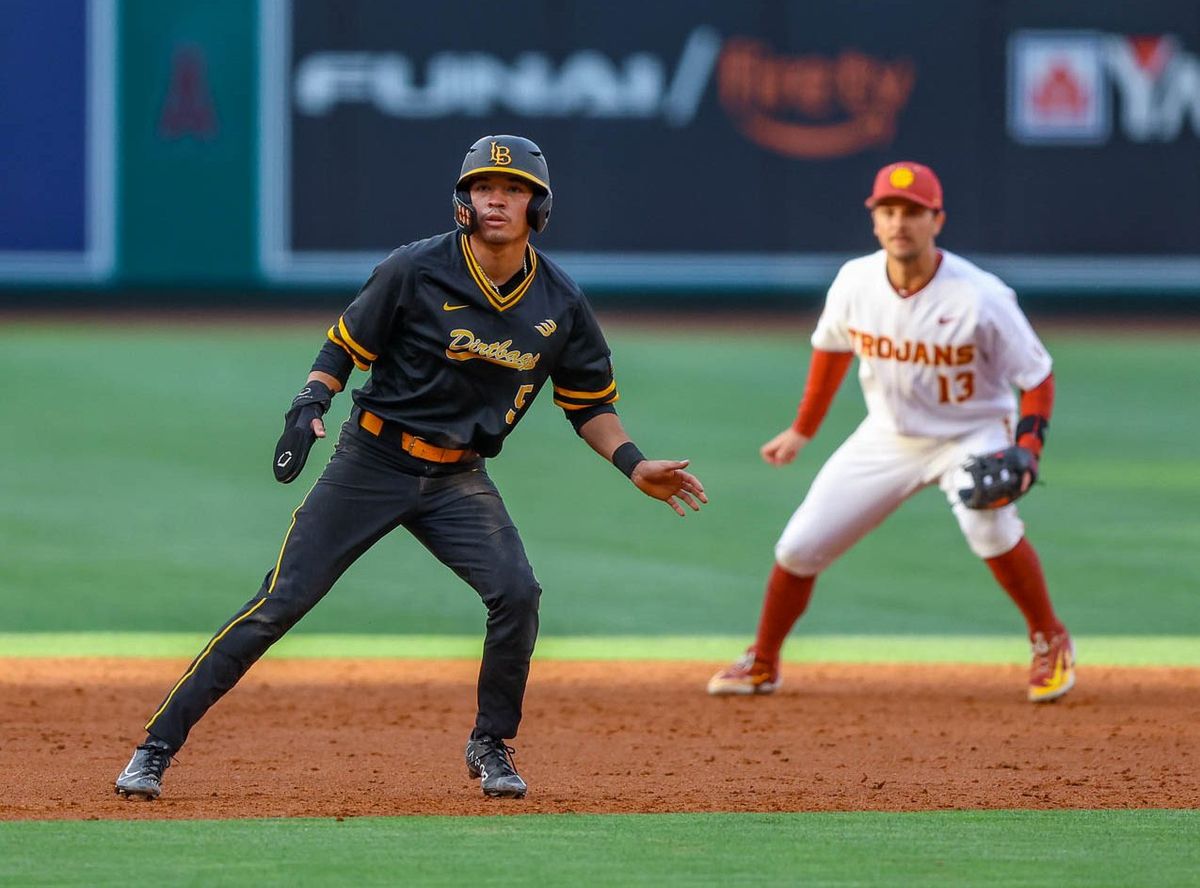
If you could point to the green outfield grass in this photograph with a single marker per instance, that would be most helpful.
(1005, 848)
(137, 497)
(138, 512)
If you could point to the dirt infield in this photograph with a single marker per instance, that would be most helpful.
(383, 737)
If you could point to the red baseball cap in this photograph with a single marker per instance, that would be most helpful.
(908, 181)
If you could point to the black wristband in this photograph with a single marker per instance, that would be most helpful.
(626, 457)
(314, 392)
(1033, 424)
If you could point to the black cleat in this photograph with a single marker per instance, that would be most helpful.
(489, 759)
(142, 777)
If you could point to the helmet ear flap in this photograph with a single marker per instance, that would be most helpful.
(465, 217)
(538, 211)
(537, 214)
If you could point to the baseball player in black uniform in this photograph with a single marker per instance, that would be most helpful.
(459, 333)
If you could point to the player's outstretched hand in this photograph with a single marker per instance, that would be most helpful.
(666, 480)
(782, 449)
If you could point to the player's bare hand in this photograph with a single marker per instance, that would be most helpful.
(1028, 478)
(782, 449)
(318, 427)
(666, 480)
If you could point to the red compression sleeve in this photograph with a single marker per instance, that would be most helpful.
(825, 373)
(1019, 572)
(1039, 402)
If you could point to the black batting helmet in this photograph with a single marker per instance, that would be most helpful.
(513, 156)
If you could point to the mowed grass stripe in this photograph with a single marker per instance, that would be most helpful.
(998, 848)
(147, 522)
(1119, 650)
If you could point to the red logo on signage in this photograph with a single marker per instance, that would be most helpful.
(811, 106)
(1061, 94)
(1152, 52)
(188, 109)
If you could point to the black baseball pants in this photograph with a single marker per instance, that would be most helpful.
(367, 490)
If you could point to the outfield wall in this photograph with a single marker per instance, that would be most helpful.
(276, 148)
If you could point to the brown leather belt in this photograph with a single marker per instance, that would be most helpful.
(410, 444)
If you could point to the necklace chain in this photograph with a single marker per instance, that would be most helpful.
(524, 272)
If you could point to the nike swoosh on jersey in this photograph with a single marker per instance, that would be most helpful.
(446, 306)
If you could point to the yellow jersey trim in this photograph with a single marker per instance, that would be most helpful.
(498, 302)
(349, 340)
(337, 340)
(571, 393)
(568, 406)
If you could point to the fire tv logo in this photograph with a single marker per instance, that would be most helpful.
(811, 106)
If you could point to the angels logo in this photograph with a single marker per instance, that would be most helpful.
(188, 109)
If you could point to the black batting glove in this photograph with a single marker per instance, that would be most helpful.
(298, 436)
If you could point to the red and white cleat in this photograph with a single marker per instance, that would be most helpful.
(1052, 672)
(748, 675)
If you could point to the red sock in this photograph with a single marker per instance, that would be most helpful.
(1020, 573)
(787, 597)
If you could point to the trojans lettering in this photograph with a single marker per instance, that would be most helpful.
(868, 345)
(464, 346)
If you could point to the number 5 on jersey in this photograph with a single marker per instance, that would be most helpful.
(518, 403)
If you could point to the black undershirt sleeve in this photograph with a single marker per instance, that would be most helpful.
(579, 417)
(334, 360)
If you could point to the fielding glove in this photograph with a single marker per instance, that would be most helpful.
(998, 479)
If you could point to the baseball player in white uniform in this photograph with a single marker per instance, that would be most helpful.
(941, 344)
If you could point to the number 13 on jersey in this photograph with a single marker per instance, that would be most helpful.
(955, 389)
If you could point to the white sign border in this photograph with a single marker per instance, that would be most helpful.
(95, 263)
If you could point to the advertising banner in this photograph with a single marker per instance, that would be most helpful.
(56, 140)
(188, 125)
(708, 144)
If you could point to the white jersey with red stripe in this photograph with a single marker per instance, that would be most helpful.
(940, 362)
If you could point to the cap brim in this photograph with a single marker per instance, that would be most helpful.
(507, 171)
(900, 195)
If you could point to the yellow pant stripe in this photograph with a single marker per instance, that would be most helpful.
(225, 631)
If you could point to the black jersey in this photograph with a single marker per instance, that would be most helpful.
(458, 362)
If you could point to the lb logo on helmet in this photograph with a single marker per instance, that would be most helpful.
(512, 156)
